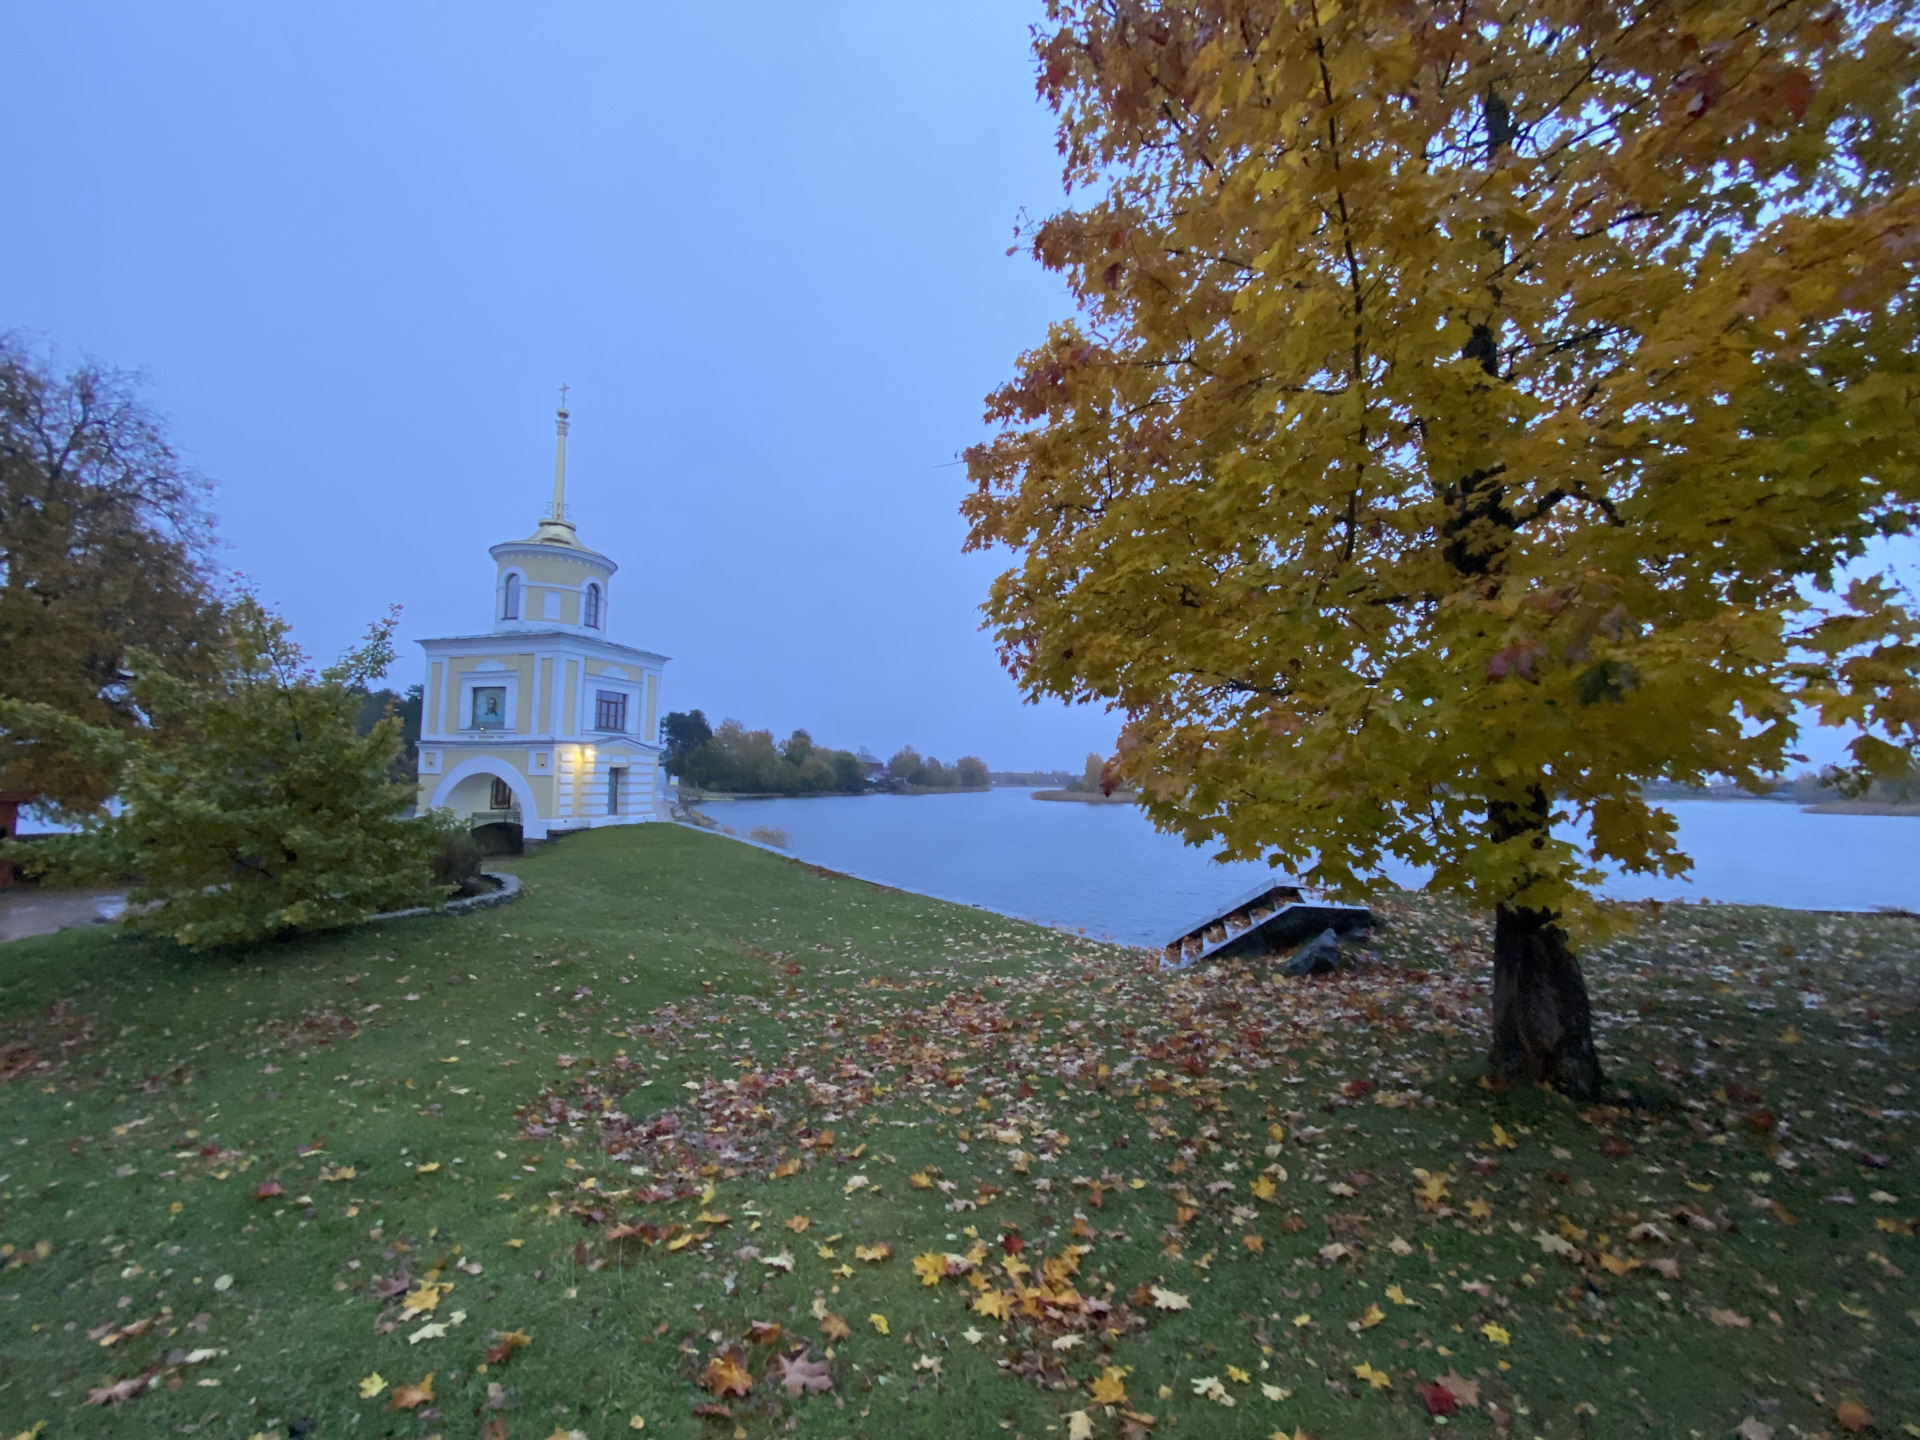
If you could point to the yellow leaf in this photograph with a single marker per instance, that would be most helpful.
(879, 1322)
(1479, 1209)
(681, 1241)
(1256, 1243)
(798, 1224)
(1164, 1299)
(1618, 1264)
(1110, 1387)
(1237, 1375)
(1496, 1333)
(930, 1267)
(1264, 1189)
(872, 1254)
(1432, 1189)
(426, 1169)
(920, 1180)
(1302, 1320)
(1504, 1140)
(1378, 1379)
(372, 1385)
(1079, 1425)
(992, 1303)
(1372, 1317)
(1399, 1296)
(1790, 1036)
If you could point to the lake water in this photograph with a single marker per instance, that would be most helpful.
(1103, 869)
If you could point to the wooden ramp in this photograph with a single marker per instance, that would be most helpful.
(1269, 918)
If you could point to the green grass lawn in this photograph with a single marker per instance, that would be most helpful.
(690, 1120)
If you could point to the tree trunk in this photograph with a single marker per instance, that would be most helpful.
(1542, 1024)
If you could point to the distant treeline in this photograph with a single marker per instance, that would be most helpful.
(734, 758)
(969, 772)
(1037, 779)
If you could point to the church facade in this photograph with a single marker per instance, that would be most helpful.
(541, 720)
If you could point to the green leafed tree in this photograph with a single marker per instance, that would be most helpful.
(1471, 413)
(254, 804)
(104, 541)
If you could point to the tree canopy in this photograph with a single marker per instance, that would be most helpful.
(255, 803)
(104, 545)
(1471, 413)
(734, 758)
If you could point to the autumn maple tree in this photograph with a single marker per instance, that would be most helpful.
(1472, 413)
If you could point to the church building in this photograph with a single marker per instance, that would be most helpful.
(542, 721)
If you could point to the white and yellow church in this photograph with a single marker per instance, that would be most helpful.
(543, 721)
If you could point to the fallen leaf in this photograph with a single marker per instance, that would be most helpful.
(872, 1254)
(1378, 1379)
(505, 1342)
(1753, 1429)
(1853, 1417)
(1729, 1319)
(131, 1388)
(879, 1322)
(1164, 1299)
(1208, 1387)
(1079, 1425)
(798, 1224)
(412, 1397)
(1496, 1333)
(724, 1375)
(834, 1327)
(1466, 1391)
(1437, 1398)
(372, 1385)
(1109, 1387)
(802, 1374)
(1371, 1317)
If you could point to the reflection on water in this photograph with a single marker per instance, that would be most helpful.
(1103, 869)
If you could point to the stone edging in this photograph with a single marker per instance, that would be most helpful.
(508, 892)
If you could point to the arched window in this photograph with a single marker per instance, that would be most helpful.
(593, 607)
(511, 609)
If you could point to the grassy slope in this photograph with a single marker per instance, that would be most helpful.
(946, 1049)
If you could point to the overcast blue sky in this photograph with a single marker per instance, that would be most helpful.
(356, 248)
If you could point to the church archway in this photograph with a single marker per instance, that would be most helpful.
(531, 824)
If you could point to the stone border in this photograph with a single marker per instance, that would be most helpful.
(508, 892)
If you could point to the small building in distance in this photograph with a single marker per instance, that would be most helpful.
(876, 768)
(541, 721)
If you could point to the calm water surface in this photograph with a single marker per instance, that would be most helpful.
(1103, 869)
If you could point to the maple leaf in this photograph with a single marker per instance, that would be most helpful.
(1399, 1296)
(798, 1224)
(130, 1388)
(267, 1190)
(371, 1385)
(1504, 1140)
(1237, 1375)
(1079, 1425)
(879, 1322)
(412, 1397)
(1274, 1393)
(1617, 1264)
(1479, 1209)
(1466, 1391)
(764, 1332)
(1256, 1243)
(1109, 1387)
(505, 1342)
(1378, 1379)
(1371, 1317)
(931, 1267)
(425, 1296)
(834, 1327)
(993, 1304)
(1852, 1417)
(1263, 1188)
(1498, 1334)
(872, 1254)
(786, 1168)
(782, 1261)
(724, 1375)
(1431, 1189)
(802, 1374)
(1437, 1398)
(1164, 1299)
(920, 1180)
(1208, 1387)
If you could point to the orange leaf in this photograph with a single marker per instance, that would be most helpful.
(412, 1397)
(1853, 1417)
(725, 1375)
(505, 1342)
